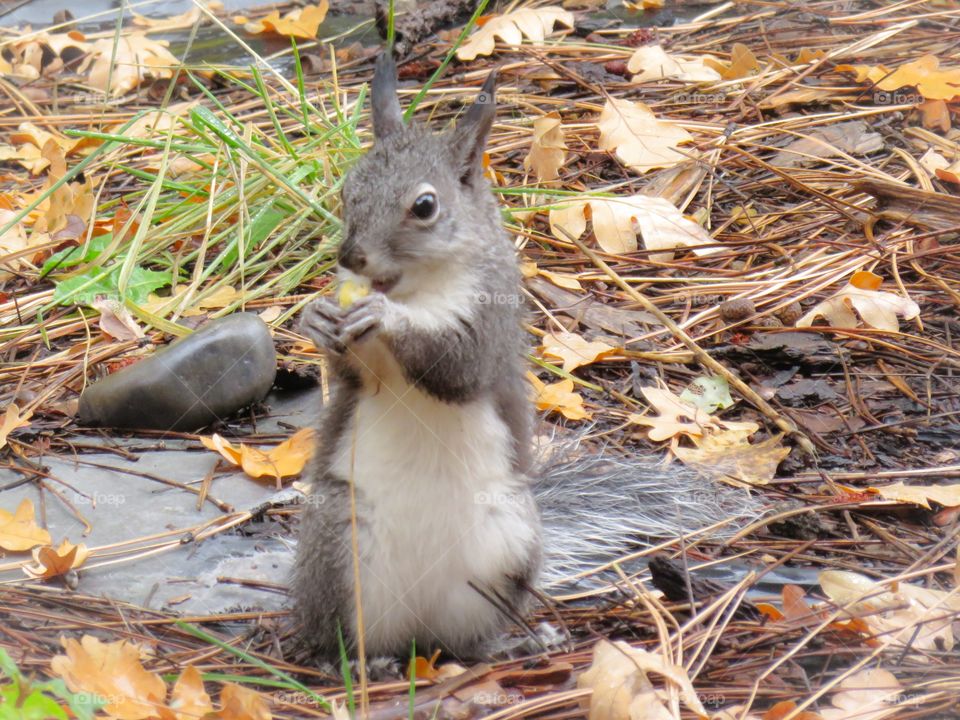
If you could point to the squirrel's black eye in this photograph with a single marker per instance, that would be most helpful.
(425, 206)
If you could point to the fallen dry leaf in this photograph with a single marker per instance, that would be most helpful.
(729, 456)
(12, 419)
(242, 703)
(618, 220)
(641, 140)
(547, 150)
(651, 62)
(176, 22)
(621, 688)
(19, 531)
(188, 700)
(876, 308)
(112, 671)
(561, 280)
(41, 53)
(534, 23)
(867, 695)
(742, 63)
(676, 417)
(283, 460)
(558, 397)
(574, 350)
(300, 22)
(115, 320)
(50, 562)
(137, 58)
(229, 451)
(13, 240)
(946, 495)
(910, 616)
(923, 73)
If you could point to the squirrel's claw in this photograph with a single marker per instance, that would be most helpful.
(363, 320)
(320, 321)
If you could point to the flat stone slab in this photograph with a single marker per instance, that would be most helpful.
(153, 560)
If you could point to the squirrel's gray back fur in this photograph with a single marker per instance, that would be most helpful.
(430, 421)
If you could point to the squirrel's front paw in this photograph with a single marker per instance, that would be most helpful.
(363, 319)
(320, 322)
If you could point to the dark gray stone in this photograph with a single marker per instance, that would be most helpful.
(224, 366)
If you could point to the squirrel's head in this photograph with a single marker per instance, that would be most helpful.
(417, 200)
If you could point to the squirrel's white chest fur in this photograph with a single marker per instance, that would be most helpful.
(445, 507)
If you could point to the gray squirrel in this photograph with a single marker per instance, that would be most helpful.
(429, 415)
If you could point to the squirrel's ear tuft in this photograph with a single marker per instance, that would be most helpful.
(470, 135)
(387, 117)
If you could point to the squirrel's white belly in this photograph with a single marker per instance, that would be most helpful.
(445, 509)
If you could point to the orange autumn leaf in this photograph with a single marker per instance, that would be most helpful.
(19, 531)
(866, 280)
(50, 562)
(112, 671)
(241, 703)
(284, 460)
(301, 22)
(188, 699)
(424, 668)
(923, 73)
(558, 397)
(229, 451)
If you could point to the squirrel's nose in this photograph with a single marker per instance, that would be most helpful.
(353, 258)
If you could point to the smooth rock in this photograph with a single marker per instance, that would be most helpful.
(224, 366)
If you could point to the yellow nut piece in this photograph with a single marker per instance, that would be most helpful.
(351, 291)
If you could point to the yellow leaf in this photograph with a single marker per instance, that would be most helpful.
(946, 495)
(219, 298)
(558, 397)
(561, 280)
(286, 459)
(112, 671)
(241, 703)
(618, 220)
(189, 700)
(50, 562)
(641, 140)
(229, 451)
(676, 417)
(547, 149)
(651, 62)
(128, 62)
(534, 23)
(742, 63)
(876, 308)
(727, 455)
(574, 350)
(923, 73)
(19, 531)
(300, 22)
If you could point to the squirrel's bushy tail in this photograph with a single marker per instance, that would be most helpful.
(597, 507)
